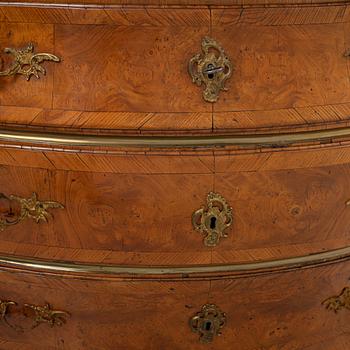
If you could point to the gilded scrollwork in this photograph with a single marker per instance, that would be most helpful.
(208, 323)
(38, 314)
(26, 62)
(45, 314)
(212, 68)
(339, 302)
(214, 219)
(30, 208)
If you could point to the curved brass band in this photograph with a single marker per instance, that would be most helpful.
(252, 267)
(261, 140)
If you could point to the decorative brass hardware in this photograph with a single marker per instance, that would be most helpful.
(29, 208)
(40, 314)
(102, 271)
(208, 323)
(212, 68)
(44, 314)
(339, 302)
(4, 307)
(45, 140)
(213, 220)
(27, 63)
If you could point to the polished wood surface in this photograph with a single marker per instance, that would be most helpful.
(271, 313)
(122, 257)
(130, 65)
(141, 219)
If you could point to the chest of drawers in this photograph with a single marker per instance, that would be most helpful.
(174, 175)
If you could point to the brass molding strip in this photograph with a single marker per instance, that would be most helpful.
(172, 4)
(244, 268)
(268, 140)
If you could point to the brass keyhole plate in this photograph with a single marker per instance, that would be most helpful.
(208, 323)
(213, 220)
(212, 68)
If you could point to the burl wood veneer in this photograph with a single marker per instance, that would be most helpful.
(137, 212)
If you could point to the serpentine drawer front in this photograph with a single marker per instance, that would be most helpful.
(138, 69)
(193, 314)
(136, 218)
(174, 175)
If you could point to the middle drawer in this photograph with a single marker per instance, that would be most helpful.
(147, 219)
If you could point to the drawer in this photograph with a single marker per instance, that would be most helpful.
(130, 69)
(147, 218)
(261, 311)
(130, 65)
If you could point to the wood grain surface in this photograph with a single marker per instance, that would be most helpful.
(276, 311)
(125, 68)
(147, 217)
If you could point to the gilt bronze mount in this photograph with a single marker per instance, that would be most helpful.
(211, 68)
(214, 219)
(26, 62)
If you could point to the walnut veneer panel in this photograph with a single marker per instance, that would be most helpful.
(269, 312)
(126, 68)
(146, 218)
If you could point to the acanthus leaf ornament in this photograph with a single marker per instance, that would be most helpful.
(30, 208)
(212, 68)
(208, 323)
(214, 219)
(27, 62)
(45, 314)
(341, 301)
(39, 315)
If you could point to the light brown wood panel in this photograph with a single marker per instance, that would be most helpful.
(277, 311)
(289, 158)
(183, 3)
(316, 117)
(119, 323)
(122, 16)
(127, 69)
(137, 213)
(140, 161)
(281, 15)
(16, 91)
(283, 66)
(148, 218)
(54, 15)
(277, 208)
(285, 311)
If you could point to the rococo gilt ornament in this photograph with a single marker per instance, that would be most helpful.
(212, 68)
(27, 63)
(208, 323)
(30, 208)
(213, 220)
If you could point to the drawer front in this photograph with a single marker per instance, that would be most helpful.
(267, 312)
(131, 67)
(166, 219)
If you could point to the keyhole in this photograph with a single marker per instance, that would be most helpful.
(207, 326)
(213, 222)
(210, 75)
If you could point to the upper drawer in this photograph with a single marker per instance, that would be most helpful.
(128, 68)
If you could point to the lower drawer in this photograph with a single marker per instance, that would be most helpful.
(270, 311)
